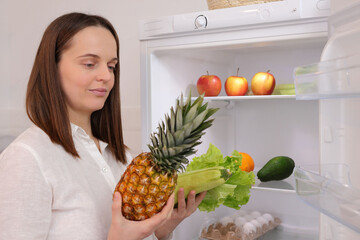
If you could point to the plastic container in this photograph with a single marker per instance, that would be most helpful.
(329, 79)
(241, 225)
(330, 192)
(336, 75)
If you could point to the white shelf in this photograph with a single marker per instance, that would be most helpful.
(242, 98)
(286, 185)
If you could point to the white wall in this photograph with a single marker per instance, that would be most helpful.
(22, 23)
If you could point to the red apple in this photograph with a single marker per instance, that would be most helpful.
(263, 83)
(236, 86)
(209, 84)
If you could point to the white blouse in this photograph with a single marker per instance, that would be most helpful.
(46, 193)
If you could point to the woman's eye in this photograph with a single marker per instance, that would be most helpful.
(89, 65)
(111, 68)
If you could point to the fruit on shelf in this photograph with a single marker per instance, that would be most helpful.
(210, 85)
(277, 168)
(151, 177)
(236, 85)
(284, 89)
(247, 163)
(263, 83)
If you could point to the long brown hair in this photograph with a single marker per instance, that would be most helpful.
(45, 99)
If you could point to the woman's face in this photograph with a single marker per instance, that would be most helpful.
(86, 70)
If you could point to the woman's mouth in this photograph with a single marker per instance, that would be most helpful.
(100, 92)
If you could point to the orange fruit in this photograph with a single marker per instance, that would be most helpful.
(247, 163)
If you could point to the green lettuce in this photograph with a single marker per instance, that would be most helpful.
(235, 192)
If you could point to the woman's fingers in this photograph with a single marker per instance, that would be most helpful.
(163, 215)
(121, 227)
(193, 201)
(116, 201)
(185, 209)
(116, 207)
(181, 200)
(191, 198)
(199, 198)
(169, 206)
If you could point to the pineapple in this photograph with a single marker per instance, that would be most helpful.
(151, 177)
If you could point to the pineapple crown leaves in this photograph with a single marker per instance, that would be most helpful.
(180, 133)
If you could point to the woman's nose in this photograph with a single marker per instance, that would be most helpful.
(104, 73)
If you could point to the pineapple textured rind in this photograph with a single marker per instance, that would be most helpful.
(144, 190)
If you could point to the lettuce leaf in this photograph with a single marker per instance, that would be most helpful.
(235, 192)
(212, 158)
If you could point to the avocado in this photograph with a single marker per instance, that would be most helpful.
(277, 168)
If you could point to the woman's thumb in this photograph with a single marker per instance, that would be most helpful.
(116, 205)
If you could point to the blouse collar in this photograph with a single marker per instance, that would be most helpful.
(78, 131)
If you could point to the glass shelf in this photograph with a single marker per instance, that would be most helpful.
(337, 78)
(286, 185)
(331, 193)
(228, 102)
(241, 98)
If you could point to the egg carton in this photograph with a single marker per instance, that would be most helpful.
(241, 226)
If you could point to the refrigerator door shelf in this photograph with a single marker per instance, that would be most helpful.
(336, 75)
(337, 78)
(330, 193)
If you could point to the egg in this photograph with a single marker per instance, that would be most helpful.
(262, 221)
(249, 228)
(239, 221)
(268, 217)
(256, 223)
(226, 220)
(255, 214)
(248, 217)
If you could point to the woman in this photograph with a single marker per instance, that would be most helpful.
(58, 177)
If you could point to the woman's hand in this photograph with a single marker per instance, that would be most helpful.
(123, 229)
(183, 211)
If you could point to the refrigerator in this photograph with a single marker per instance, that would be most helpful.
(311, 44)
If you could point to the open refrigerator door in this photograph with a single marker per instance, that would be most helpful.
(335, 190)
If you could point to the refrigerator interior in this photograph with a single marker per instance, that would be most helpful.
(263, 126)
